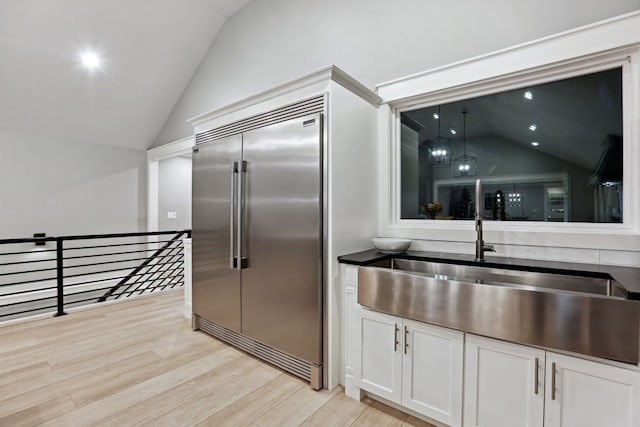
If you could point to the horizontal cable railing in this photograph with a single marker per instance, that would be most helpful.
(50, 274)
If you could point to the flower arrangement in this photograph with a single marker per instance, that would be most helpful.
(431, 209)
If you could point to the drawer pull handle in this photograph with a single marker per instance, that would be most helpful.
(395, 338)
(406, 339)
(553, 381)
(535, 378)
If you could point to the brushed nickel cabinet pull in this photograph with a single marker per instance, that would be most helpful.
(535, 377)
(553, 381)
(395, 338)
(406, 339)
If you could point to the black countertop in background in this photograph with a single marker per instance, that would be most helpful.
(627, 277)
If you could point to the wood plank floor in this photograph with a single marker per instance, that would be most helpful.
(138, 363)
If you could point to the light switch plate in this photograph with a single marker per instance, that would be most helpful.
(171, 215)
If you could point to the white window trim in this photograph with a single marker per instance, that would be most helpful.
(600, 46)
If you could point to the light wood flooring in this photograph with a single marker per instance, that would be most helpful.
(139, 363)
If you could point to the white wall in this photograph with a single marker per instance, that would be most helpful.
(174, 193)
(63, 188)
(271, 41)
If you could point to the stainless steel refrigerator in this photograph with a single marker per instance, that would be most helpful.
(257, 242)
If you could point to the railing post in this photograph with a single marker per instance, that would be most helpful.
(60, 277)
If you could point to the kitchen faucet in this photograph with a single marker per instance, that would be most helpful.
(481, 248)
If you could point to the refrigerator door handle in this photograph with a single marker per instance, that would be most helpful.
(233, 261)
(242, 170)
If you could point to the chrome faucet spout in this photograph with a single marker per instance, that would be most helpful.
(481, 248)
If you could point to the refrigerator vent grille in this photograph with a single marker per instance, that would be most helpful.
(299, 109)
(282, 360)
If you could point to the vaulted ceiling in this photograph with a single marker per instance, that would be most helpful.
(149, 49)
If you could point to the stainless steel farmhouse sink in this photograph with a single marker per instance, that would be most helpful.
(581, 314)
(530, 280)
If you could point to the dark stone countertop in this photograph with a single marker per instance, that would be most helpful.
(627, 277)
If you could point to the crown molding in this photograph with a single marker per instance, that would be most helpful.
(325, 74)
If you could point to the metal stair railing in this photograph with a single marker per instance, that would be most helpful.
(147, 264)
(48, 274)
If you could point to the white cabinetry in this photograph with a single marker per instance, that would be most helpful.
(420, 367)
(432, 371)
(501, 391)
(349, 276)
(416, 365)
(379, 365)
(590, 394)
(503, 384)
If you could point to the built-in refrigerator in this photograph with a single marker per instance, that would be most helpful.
(258, 238)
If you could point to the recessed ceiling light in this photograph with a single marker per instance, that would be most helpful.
(535, 143)
(436, 116)
(90, 60)
(528, 95)
(533, 127)
(453, 131)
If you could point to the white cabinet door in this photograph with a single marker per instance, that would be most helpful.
(500, 384)
(378, 368)
(432, 371)
(590, 394)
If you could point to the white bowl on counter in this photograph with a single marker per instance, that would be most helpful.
(392, 245)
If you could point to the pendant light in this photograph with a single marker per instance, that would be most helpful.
(464, 165)
(440, 147)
